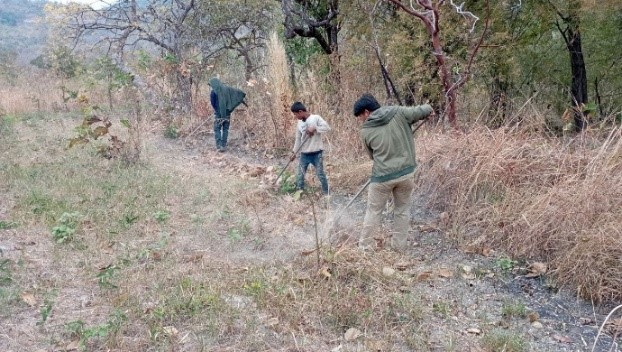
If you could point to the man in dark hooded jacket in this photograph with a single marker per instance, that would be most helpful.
(224, 100)
(387, 136)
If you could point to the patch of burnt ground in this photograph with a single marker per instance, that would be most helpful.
(493, 294)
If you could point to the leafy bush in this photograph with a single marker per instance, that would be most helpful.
(66, 228)
(288, 183)
(171, 132)
(92, 128)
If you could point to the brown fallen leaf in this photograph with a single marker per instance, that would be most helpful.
(537, 269)
(446, 273)
(257, 171)
(29, 298)
(170, 330)
(562, 339)
(156, 255)
(73, 346)
(424, 276)
(352, 334)
(401, 266)
(474, 331)
(427, 228)
(533, 316)
(299, 220)
(325, 272)
(272, 321)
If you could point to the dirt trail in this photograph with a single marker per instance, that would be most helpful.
(470, 293)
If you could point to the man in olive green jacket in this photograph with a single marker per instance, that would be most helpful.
(387, 136)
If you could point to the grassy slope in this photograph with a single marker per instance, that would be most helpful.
(192, 252)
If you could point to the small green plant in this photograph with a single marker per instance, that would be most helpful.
(499, 340)
(171, 132)
(161, 216)
(513, 309)
(242, 229)
(6, 123)
(186, 299)
(6, 277)
(66, 228)
(43, 204)
(45, 311)
(7, 225)
(106, 275)
(288, 183)
(75, 328)
(505, 264)
(129, 219)
(78, 330)
(234, 234)
(442, 308)
(255, 288)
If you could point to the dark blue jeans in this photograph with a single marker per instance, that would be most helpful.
(221, 132)
(316, 160)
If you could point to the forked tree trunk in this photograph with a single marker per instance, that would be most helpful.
(428, 12)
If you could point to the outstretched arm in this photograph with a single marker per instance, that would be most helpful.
(416, 113)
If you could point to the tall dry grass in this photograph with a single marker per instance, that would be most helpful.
(535, 197)
(22, 96)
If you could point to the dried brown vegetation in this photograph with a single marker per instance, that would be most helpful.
(536, 198)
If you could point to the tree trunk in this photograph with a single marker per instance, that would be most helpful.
(578, 89)
(498, 107)
(446, 81)
(183, 98)
(579, 79)
(335, 78)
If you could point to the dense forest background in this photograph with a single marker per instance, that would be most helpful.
(559, 55)
(121, 228)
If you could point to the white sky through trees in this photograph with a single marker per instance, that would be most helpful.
(96, 4)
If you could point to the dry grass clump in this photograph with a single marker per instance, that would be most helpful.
(552, 199)
(349, 290)
(348, 176)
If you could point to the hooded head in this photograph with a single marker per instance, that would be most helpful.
(228, 97)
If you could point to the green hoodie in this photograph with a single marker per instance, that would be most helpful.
(228, 97)
(387, 134)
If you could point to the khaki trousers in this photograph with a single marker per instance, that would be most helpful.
(378, 195)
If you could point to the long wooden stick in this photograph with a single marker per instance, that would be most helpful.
(290, 160)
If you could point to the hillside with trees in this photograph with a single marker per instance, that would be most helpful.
(123, 229)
